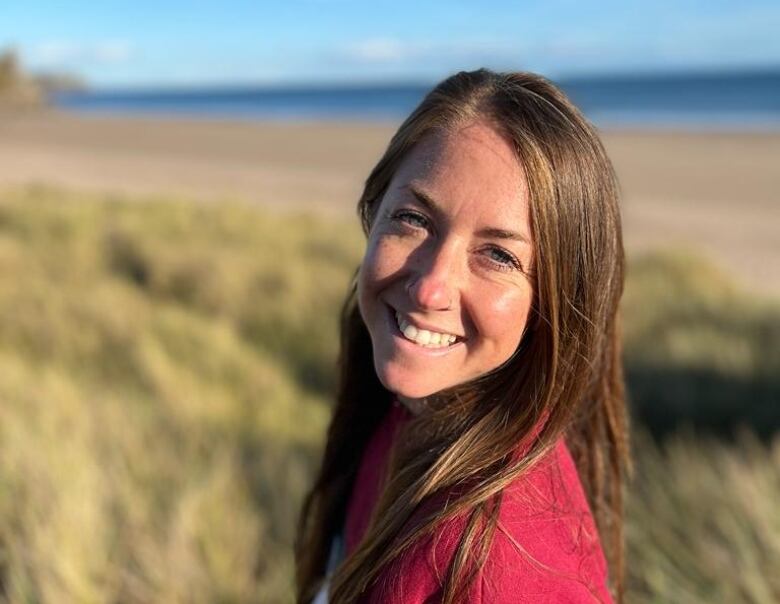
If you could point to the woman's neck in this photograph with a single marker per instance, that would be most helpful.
(414, 405)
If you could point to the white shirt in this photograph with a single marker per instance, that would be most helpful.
(334, 558)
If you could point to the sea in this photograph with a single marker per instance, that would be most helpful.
(736, 100)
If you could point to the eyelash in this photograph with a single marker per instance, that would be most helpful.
(512, 262)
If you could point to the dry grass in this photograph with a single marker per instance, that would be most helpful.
(698, 350)
(164, 379)
(704, 525)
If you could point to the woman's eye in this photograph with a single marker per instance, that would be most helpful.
(504, 259)
(412, 219)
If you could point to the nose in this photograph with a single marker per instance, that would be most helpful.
(433, 282)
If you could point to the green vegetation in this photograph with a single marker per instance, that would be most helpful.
(703, 521)
(698, 350)
(165, 369)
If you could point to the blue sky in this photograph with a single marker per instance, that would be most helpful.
(171, 42)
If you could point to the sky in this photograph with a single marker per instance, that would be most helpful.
(147, 43)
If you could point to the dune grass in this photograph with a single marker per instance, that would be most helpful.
(703, 521)
(165, 370)
(698, 350)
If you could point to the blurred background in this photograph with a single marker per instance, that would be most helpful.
(177, 231)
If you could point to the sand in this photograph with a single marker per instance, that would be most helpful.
(716, 193)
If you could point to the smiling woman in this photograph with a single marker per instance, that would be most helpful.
(477, 448)
(436, 270)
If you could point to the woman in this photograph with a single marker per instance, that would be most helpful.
(480, 423)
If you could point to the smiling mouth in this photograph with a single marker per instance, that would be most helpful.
(424, 337)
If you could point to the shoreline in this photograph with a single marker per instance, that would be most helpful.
(716, 192)
(749, 128)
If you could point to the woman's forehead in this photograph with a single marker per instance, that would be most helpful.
(472, 166)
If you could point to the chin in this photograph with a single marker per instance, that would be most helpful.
(407, 386)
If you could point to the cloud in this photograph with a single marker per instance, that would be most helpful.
(379, 50)
(57, 53)
(396, 51)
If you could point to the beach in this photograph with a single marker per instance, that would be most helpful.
(711, 192)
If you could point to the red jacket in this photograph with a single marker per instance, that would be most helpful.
(545, 549)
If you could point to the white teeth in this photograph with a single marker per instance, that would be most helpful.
(423, 337)
(410, 331)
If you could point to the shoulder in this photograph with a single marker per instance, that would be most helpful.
(545, 548)
(546, 543)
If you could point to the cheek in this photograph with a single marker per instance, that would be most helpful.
(382, 260)
(504, 316)
(370, 267)
(375, 270)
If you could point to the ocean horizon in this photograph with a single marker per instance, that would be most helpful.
(740, 100)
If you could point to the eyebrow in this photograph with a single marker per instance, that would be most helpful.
(486, 233)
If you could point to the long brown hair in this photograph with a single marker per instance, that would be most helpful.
(567, 369)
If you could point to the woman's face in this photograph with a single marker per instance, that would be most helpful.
(444, 287)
